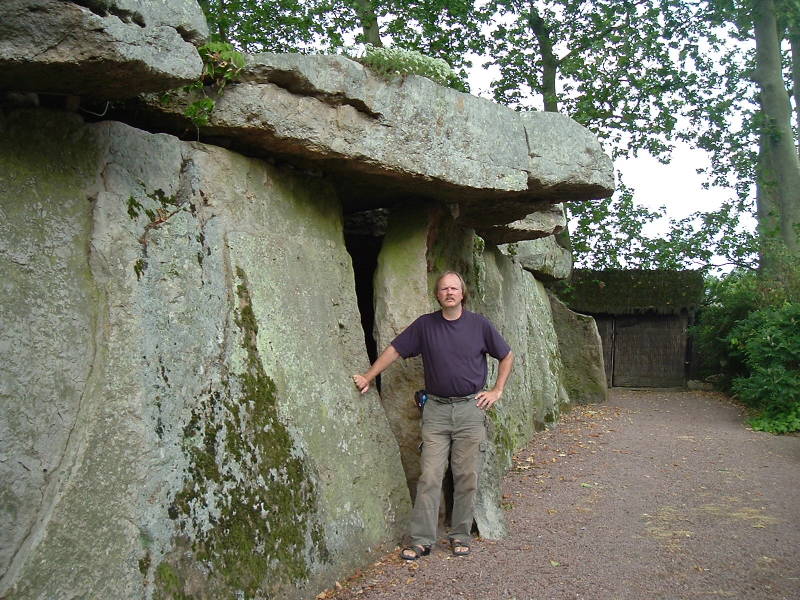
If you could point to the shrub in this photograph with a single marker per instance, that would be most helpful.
(395, 62)
(767, 343)
(728, 301)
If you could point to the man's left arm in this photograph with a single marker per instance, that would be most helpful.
(487, 398)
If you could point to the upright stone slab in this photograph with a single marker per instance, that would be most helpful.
(582, 354)
(511, 298)
(402, 293)
(180, 418)
(51, 311)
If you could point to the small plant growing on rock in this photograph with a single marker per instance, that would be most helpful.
(222, 64)
(396, 62)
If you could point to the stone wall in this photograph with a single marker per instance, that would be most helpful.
(180, 414)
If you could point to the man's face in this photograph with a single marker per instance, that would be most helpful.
(449, 292)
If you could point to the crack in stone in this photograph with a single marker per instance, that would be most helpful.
(71, 452)
(102, 8)
(51, 46)
(296, 83)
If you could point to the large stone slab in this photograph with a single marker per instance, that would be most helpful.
(178, 415)
(385, 141)
(545, 258)
(542, 223)
(582, 354)
(416, 248)
(99, 48)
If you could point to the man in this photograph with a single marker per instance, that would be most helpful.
(453, 343)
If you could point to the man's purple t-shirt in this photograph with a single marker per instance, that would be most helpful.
(453, 352)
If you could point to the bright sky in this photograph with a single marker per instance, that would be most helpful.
(677, 186)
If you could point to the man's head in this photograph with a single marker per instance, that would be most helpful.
(450, 290)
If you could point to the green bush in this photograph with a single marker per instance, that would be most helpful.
(767, 343)
(395, 62)
(728, 301)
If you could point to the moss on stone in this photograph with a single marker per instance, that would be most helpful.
(169, 583)
(263, 530)
(144, 564)
(502, 437)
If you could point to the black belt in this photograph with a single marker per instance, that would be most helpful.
(450, 399)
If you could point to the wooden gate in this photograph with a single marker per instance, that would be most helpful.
(644, 350)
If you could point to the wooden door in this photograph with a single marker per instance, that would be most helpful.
(649, 351)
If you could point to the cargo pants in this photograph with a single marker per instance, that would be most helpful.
(455, 431)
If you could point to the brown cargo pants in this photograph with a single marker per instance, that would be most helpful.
(456, 431)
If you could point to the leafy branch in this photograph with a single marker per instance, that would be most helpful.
(222, 64)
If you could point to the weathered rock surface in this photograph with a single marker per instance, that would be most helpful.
(383, 142)
(542, 223)
(545, 258)
(178, 418)
(515, 302)
(582, 354)
(99, 48)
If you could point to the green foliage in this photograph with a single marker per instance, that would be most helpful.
(728, 301)
(199, 111)
(275, 26)
(609, 233)
(615, 66)
(749, 333)
(768, 344)
(222, 64)
(395, 62)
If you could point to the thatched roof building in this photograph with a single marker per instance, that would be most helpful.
(643, 317)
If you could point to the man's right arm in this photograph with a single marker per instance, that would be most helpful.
(386, 358)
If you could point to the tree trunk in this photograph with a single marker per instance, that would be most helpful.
(549, 61)
(778, 184)
(369, 22)
(794, 42)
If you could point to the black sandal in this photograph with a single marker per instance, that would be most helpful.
(459, 548)
(414, 552)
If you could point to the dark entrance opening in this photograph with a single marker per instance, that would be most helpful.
(363, 238)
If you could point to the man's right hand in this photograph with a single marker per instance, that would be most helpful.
(362, 383)
(387, 357)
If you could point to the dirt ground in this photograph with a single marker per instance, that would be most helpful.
(657, 494)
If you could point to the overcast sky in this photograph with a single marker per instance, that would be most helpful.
(676, 186)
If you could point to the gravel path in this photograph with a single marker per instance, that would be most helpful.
(657, 494)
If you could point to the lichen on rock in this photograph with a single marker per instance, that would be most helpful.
(249, 503)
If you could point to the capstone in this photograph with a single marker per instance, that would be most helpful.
(99, 48)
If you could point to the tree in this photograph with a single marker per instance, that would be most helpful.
(759, 151)
(627, 69)
(778, 183)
